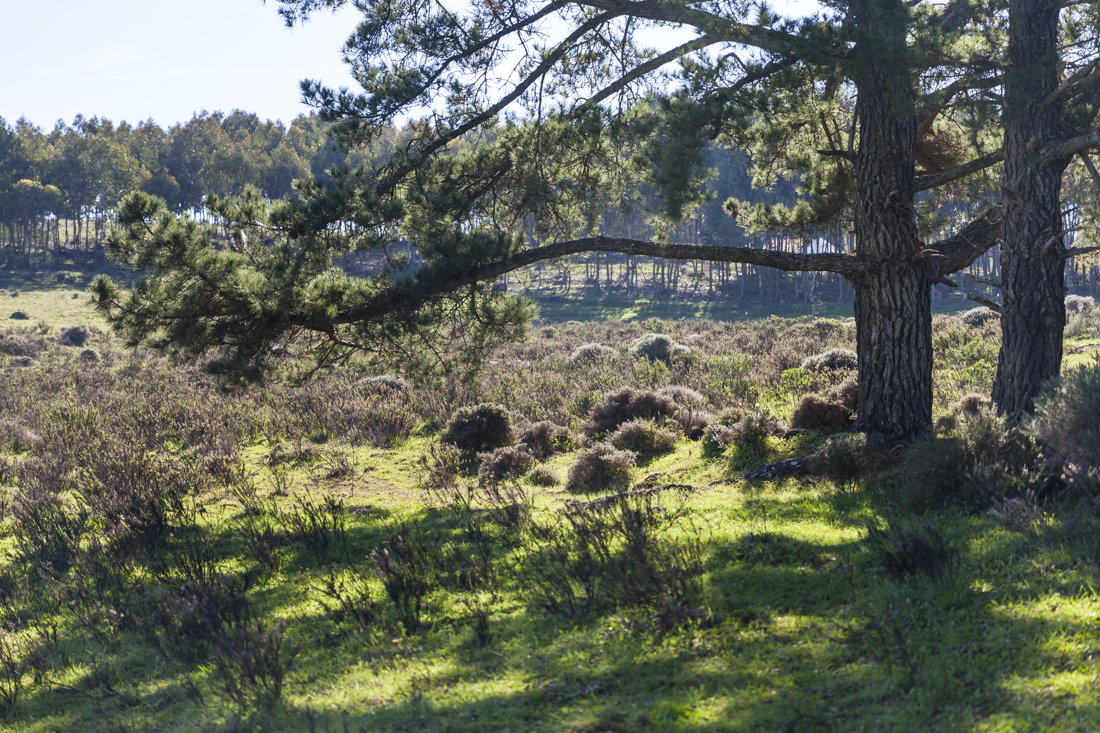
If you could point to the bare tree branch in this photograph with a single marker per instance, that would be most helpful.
(958, 251)
(1074, 145)
(995, 307)
(643, 69)
(923, 183)
(848, 266)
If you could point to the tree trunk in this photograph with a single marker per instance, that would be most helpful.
(1032, 273)
(893, 302)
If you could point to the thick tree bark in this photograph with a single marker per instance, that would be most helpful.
(1032, 263)
(893, 301)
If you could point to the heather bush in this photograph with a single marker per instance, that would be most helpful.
(815, 412)
(383, 383)
(89, 356)
(624, 405)
(1067, 423)
(846, 393)
(406, 563)
(716, 438)
(977, 317)
(658, 347)
(544, 439)
(685, 396)
(16, 437)
(478, 428)
(954, 469)
(601, 467)
(22, 362)
(1080, 304)
(20, 344)
(843, 458)
(970, 405)
(75, 336)
(751, 432)
(19, 316)
(644, 437)
(831, 360)
(614, 552)
(905, 553)
(506, 462)
(589, 353)
(543, 476)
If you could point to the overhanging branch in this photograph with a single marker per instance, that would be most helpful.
(958, 251)
(953, 174)
(1074, 145)
(845, 265)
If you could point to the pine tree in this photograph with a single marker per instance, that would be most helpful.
(1051, 104)
(478, 182)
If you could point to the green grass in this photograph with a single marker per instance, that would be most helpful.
(799, 626)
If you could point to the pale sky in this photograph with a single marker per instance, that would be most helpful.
(138, 59)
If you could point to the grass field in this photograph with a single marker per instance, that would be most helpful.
(182, 556)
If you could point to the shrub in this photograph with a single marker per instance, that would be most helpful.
(383, 383)
(815, 412)
(46, 530)
(657, 347)
(617, 552)
(15, 344)
(752, 430)
(831, 360)
(249, 663)
(978, 317)
(320, 527)
(75, 335)
(842, 458)
(1066, 421)
(588, 353)
(504, 462)
(693, 422)
(601, 467)
(406, 563)
(1080, 304)
(908, 552)
(644, 437)
(543, 476)
(16, 437)
(625, 405)
(544, 439)
(89, 356)
(845, 393)
(478, 428)
(19, 316)
(22, 361)
(683, 395)
(716, 438)
(970, 405)
(952, 469)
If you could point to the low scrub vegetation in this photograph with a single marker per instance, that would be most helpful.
(585, 543)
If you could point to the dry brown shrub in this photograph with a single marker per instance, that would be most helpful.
(544, 439)
(624, 405)
(504, 463)
(644, 437)
(815, 412)
(479, 427)
(601, 467)
(846, 393)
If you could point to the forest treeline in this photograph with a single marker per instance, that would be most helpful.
(59, 189)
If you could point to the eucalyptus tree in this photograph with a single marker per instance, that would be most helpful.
(556, 108)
